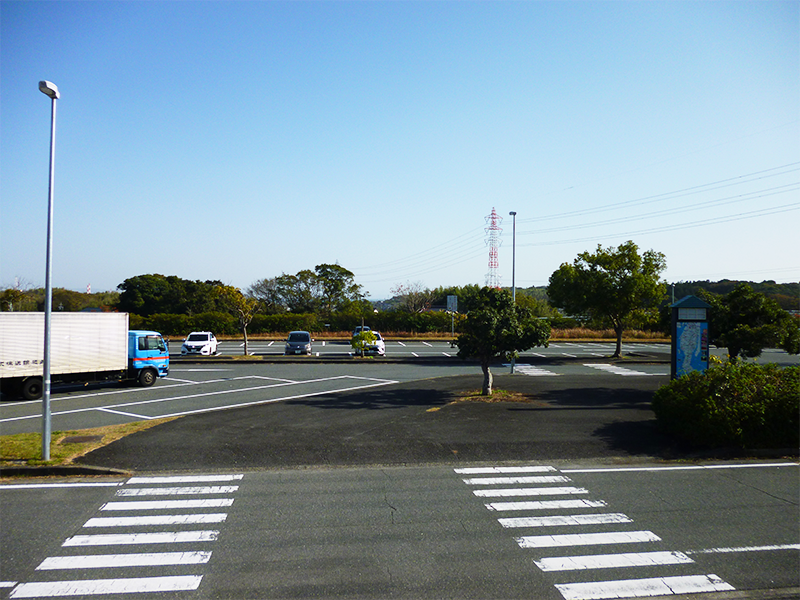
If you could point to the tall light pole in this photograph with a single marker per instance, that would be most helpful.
(513, 255)
(513, 267)
(50, 90)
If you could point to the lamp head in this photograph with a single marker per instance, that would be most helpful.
(513, 213)
(49, 89)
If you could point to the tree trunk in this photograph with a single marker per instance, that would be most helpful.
(618, 351)
(487, 379)
(244, 333)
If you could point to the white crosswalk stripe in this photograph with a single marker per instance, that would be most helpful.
(561, 513)
(133, 505)
(616, 370)
(534, 371)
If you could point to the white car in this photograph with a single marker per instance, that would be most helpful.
(200, 342)
(378, 347)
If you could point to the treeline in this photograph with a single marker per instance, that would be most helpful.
(787, 295)
(324, 299)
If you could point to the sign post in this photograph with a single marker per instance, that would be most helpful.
(452, 308)
(690, 348)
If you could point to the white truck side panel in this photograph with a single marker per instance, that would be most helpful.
(79, 343)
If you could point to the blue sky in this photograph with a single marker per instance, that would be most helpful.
(236, 141)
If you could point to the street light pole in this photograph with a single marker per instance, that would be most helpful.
(50, 90)
(513, 268)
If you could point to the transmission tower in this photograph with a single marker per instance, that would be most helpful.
(493, 241)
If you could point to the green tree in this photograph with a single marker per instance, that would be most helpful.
(361, 340)
(328, 288)
(147, 295)
(611, 285)
(745, 322)
(13, 299)
(336, 286)
(241, 306)
(497, 328)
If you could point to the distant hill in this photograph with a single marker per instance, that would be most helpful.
(787, 295)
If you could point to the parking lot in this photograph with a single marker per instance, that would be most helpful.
(433, 349)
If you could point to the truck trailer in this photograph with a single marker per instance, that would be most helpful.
(85, 347)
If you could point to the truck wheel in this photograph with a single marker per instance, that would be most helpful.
(32, 388)
(147, 377)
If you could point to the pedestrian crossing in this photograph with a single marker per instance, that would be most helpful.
(538, 371)
(582, 528)
(168, 561)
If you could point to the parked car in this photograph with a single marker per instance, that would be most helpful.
(359, 329)
(376, 346)
(298, 342)
(200, 342)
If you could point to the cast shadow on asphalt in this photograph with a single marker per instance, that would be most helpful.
(419, 422)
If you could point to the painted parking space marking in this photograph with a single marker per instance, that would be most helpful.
(335, 384)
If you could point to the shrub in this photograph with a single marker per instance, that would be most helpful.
(745, 405)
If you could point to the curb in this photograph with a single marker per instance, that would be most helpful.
(60, 471)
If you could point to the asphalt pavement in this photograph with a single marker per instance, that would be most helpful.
(417, 422)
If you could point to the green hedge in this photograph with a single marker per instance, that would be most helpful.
(745, 405)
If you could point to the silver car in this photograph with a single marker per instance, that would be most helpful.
(298, 342)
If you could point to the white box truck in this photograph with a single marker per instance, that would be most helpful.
(84, 347)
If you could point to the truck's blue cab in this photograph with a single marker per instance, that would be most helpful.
(148, 356)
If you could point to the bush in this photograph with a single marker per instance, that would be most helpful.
(745, 405)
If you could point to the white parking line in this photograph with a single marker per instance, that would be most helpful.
(680, 468)
(282, 383)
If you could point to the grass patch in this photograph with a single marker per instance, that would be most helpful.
(23, 449)
(496, 397)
